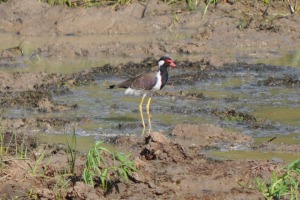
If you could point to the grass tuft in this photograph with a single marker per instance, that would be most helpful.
(208, 2)
(109, 174)
(284, 183)
(192, 5)
(72, 153)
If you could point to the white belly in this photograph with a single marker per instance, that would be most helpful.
(130, 91)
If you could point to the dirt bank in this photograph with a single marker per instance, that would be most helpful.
(241, 31)
(167, 169)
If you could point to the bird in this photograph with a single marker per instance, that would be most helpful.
(145, 83)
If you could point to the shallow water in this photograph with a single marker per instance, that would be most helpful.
(59, 64)
(291, 59)
(241, 154)
(109, 112)
(254, 155)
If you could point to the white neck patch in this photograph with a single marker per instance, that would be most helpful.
(161, 63)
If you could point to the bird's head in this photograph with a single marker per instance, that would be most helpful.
(166, 61)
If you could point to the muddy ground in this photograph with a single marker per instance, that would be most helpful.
(172, 167)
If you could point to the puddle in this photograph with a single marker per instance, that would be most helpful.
(61, 65)
(276, 139)
(110, 111)
(57, 63)
(254, 155)
(291, 59)
(83, 143)
(287, 115)
(280, 139)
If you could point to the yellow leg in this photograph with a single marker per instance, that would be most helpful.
(148, 113)
(141, 111)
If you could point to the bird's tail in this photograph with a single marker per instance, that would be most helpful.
(111, 87)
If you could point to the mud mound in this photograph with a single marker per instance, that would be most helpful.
(285, 80)
(193, 78)
(128, 69)
(172, 168)
(233, 115)
(45, 124)
(158, 146)
(207, 135)
(35, 90)
(242, 66)
(18, 81)
(182, 94)
(33, 99)
(194, 66)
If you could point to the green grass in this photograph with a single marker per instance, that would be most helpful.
(208, 2)
(1, 145)
(61, 185)
(19, 151)
(103, 167)
(87, 3)
(192, 5)
(72, 153)
(57, 2)
(109, 174)
(38, 162)
(284, 183)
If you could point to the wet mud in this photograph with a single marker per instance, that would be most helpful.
(166, 163)
(36, 90)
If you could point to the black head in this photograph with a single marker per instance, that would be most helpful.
(166, 61)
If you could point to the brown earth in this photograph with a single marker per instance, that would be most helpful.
(226, 33)
(175, 167)
(167, 169)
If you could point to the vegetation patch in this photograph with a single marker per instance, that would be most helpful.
(285, 80)
(87, 3)
(109, 173)
(182, 94)
(232, 115)
(58, 172)
(284, 183)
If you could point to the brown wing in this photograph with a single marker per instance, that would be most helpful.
(144, 81)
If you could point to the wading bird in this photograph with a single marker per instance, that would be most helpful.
(148, 82)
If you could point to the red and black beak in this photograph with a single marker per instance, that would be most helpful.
(171, 63)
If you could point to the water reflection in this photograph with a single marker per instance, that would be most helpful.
(290, 59)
